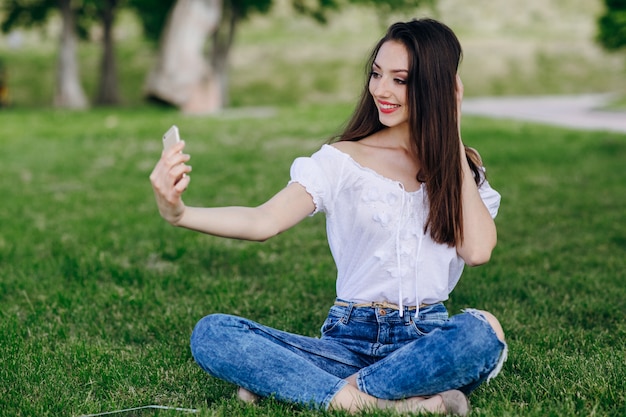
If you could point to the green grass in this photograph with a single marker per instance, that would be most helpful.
(98, 295)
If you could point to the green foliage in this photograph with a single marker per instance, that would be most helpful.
(152, 15)
(388, 7)
(35, 13)
(18, 13)
(612, 25)
(243, 8)
(319, 9)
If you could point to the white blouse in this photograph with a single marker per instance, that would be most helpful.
(375, 232)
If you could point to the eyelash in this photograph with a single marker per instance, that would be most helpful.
(400, 81)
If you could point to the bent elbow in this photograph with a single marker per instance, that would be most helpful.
(478, 258)
(477, 255)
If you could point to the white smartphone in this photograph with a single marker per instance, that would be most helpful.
(171, 137)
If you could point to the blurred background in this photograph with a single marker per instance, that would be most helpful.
(205, 55)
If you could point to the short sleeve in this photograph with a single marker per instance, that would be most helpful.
(490, 197)
(308, 172)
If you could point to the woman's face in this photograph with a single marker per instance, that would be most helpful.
(387, 84)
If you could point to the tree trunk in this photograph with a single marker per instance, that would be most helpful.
(69, 92)
(182, 76)
(223, 40)
(108, 88)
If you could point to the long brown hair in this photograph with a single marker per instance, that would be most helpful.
(434, 56)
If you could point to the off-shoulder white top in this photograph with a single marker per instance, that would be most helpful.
(375, 232)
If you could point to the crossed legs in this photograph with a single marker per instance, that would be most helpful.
(357, 391)
(353, 400)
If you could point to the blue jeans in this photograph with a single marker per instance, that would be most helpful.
(394, 357)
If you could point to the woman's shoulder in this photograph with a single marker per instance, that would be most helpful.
(347, 147)
(328, 157)
(368, 152)
(354, 149)
(336, 151)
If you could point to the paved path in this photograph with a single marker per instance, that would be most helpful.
(580, 112)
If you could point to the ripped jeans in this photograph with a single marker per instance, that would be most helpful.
(394, 357)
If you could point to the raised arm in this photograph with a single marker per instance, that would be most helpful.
(479, 229)
(170, 179)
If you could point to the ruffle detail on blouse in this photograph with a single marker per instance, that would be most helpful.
(308, 173)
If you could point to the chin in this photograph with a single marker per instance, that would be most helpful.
(385, 121)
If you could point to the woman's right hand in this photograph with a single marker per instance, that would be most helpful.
(169, 180)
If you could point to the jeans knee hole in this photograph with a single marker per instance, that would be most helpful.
(477, 314)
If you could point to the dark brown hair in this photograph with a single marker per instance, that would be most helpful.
(434, 56)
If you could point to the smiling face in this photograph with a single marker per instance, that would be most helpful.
(388, 83)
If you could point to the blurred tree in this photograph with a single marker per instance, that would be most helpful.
(234, 11)
(186, 75)
(68, 90)
(105, 12)
(182, 74)
(197, 81)
(77, 16)
(612, 25)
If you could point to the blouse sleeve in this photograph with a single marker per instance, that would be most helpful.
(490, 197)
(308, 172)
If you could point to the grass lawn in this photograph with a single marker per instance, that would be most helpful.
(98, 295)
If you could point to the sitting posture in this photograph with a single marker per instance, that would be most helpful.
(407, 205)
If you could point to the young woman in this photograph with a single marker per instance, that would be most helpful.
(406, 205)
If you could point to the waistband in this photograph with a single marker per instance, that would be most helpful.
(383, 304)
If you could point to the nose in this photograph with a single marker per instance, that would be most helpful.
(380, 87)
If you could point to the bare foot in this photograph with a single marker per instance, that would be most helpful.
(455, 402)
(247, 396)
(451, 402)
(414, 405)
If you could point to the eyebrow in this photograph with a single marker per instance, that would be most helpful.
(374, 64)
